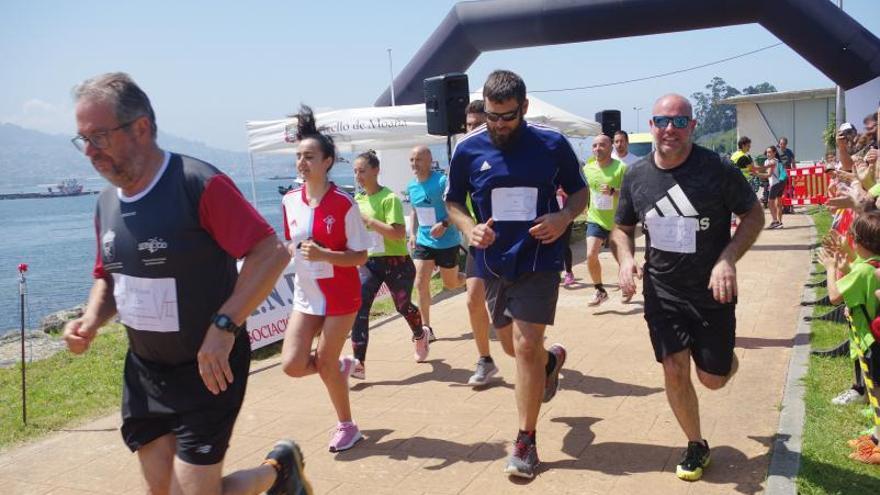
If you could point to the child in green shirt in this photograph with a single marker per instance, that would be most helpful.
(857, 289)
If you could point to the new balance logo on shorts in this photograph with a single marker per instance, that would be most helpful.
(203, 449)
(676, 204)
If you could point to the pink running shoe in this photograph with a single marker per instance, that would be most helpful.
(568, 280)
(347, 434)
(422, 347)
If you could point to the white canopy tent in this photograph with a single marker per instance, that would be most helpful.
(391, 131)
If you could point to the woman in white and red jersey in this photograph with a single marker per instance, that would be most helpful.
(327, 240)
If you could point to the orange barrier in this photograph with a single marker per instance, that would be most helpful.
(806, 186)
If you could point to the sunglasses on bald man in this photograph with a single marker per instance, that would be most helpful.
(679, 121)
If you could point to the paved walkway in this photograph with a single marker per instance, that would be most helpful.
(609, 430)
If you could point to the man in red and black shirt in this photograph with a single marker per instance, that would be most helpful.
(169, 231)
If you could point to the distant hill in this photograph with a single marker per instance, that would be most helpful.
(29, 157)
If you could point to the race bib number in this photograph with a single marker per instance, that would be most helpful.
(147, 304)
(427, 216)
(604, 201)
(673, 234)
(377, 243)
(314, 270)
(514, 204)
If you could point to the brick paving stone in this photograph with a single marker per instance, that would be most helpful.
(609, 429)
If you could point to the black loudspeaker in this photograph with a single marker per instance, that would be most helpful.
(446, 100)
(610, 121)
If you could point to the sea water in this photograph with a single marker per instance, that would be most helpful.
(56, 238)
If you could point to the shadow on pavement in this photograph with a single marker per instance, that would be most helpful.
(598, 386)
(401, 449)
(729, 465)
(572, 380)
(761, 343)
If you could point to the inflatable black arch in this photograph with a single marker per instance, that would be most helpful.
(824, 35)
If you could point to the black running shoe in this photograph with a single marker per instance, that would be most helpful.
(552, 383)
(524, 460)
(696, 458)
(287, 459)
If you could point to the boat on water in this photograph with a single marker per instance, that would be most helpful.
(65, 188)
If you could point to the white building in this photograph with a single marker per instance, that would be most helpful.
(801, 116)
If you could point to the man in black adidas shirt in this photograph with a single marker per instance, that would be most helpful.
(684, 195)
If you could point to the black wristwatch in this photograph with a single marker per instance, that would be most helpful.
(225, 323)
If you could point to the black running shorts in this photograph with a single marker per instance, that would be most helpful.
(777, 190)
(444, 258)
(530, 298)
(710, 334)
(160, 399)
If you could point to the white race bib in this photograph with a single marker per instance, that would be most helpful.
(314, 270)
(673, 234)
(377, 242)
(426, 215)
(514, 204)
(148, 304)
(604, 201)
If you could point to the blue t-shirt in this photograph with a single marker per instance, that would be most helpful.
(539, 161)
(428, 195)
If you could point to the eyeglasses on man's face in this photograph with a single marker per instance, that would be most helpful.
(506, 116)
(679, 121)
(100, 140)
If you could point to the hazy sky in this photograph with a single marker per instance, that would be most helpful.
(210, 66)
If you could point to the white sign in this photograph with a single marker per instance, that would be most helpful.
(514, 204)
(268, 322)
(604, 201)
(427, 216)
(146, 304)
(673, 234)
(314, 270)
(377, 242)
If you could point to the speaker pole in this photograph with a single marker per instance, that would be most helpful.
(448, 151)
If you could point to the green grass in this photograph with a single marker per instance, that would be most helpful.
(63, 389)
(825, 467)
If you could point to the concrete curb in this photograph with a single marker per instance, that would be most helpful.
(786, 449)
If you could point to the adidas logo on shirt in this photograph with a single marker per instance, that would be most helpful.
(485, 166)
(676, 204)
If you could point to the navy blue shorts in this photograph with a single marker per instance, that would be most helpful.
(596, 230)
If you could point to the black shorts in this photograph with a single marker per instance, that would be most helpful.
(530, 298)
(777, 190)
(710, 334)
(160, 399)
(470, 265)
(444, 258)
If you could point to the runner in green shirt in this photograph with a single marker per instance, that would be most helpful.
(604, 177)
(388, 261)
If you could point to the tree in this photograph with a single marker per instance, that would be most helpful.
(714, 117)
(764, 87)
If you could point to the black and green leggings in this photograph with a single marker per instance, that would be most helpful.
(398, 273)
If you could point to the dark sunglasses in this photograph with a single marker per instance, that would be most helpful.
(507, 116)
(679, 121)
